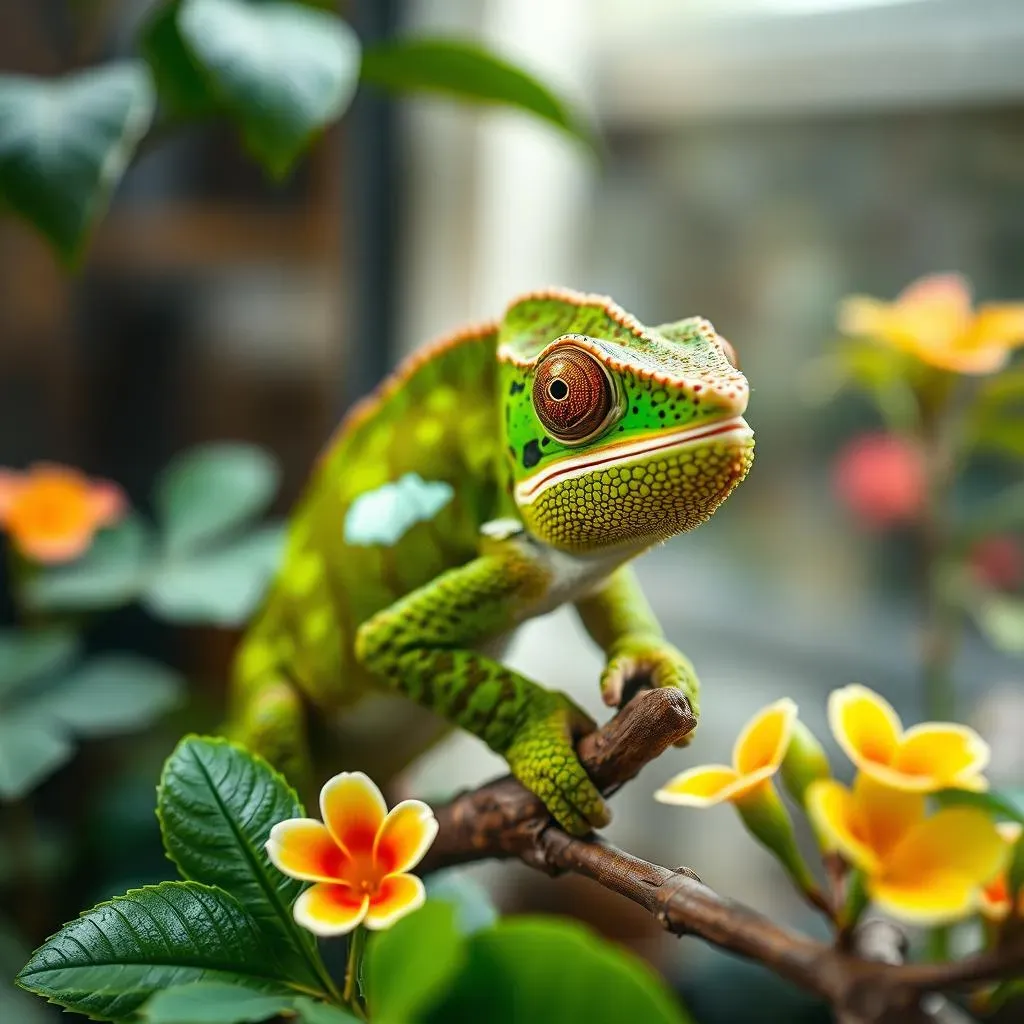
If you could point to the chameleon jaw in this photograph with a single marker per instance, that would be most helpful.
(528, 490)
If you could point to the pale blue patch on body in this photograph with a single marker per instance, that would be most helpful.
(385, 515)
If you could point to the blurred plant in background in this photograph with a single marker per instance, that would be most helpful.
(940, 373)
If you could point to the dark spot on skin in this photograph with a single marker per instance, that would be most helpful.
(661, 415)
(635, 410)
(531, 454)
(545, 441)
(517, 387)
(621, 429)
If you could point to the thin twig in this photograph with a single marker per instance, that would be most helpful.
(503, 820)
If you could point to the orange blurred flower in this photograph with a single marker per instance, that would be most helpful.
(52, 513)
(359, 857)
(881, 479)
(997, 562)
(995, 897)
(920, 869)
(934, 320)
(922, 759)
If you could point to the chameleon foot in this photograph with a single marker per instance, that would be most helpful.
(648, 662)
(543, 757)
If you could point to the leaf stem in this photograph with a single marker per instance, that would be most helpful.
(353, 972)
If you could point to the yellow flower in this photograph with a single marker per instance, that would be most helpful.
(922, 759)
(995, 897)
(359, 857)
(51, 513)
(756, 756)
(922, 870)
(933, 319)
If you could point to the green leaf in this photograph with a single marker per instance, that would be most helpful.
(311, 1012)
(425, 951)
(1001, 619)
(212, 490)
(222, 587)
(113, 958)
(30, 751)
(999, 805)
(282, 71)
(545, 969)
(217, 804)
(65, 143)
(179, 79)
(110, 694)
(109, 575)
(1016, 870)
(29, 655)
(213, 1002)
(1000, 436)
(467, 71)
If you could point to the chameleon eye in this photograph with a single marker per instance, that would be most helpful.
(730, 353)
(573, 395)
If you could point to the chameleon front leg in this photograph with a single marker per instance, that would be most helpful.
(619, 618)
(426, 645)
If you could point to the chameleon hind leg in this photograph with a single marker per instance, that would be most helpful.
(268, 717)
(426, 645)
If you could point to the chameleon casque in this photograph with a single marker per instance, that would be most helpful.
(564, 440)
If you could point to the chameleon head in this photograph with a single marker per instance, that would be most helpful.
(617, 434)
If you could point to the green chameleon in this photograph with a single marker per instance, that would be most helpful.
(495, 476)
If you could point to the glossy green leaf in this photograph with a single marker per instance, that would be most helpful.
(108, 695)
(411, 965)
(1001, 436)
(466, 71)
(310, 1012)
(217, 804)
(999, 805)
(213, 1002)
(1015, 872)
(64, 144)
(30, 751)
(545, 969)
(220, 587)
(210, 491)
(181, 87)
(282, 71)
(109, 575)
(113, 958)
(27, 655)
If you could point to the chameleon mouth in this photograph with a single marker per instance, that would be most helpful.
(734, 427)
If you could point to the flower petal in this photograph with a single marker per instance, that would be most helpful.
(937, 899)
(765, 738)
(354, 810)
(303, 848)
(958, 840)
(11, 484)
(944, 754)
(864, 725)
(832, 810)
(107, 502)
(397, 896)
(998, 325)
(405, 837)
(944, 297)
(53, 548)
(864, 316)
(327, 910)
(703, 786)
(884, 815)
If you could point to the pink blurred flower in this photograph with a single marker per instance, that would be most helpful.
(998, 562)
(881, 479)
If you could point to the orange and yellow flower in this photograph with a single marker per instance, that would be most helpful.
(934, 320)
(924, 870)
(922, 759)
(995, 897)
(52, 513)
(358, 858)
(757, 756)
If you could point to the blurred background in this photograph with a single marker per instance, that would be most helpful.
(762, 159)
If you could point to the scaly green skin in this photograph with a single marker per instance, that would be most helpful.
(534, 522)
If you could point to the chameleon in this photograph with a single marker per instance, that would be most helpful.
(520, 465)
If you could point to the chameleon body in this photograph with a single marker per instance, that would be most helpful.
(538, 455)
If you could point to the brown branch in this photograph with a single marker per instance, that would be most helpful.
(504, 820)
